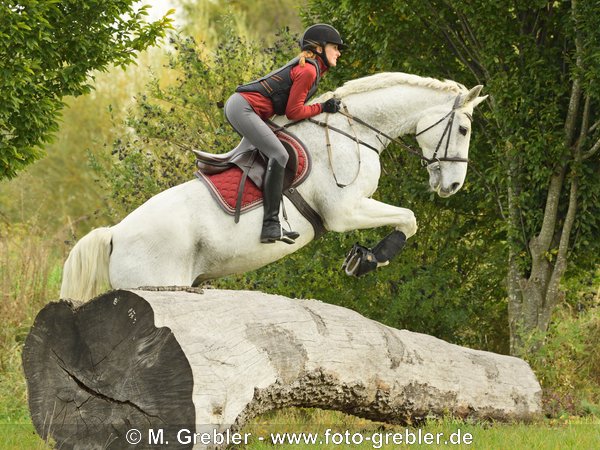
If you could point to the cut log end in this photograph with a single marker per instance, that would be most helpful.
(99, 370)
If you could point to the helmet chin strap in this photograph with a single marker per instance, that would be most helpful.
(322, 55)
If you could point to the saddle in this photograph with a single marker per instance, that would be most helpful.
(235, 179)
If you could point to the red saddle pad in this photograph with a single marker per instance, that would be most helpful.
(224, 186)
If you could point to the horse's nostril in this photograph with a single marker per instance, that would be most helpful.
(455, 187)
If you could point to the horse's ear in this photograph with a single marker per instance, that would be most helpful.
(478, 100)
(472, 95)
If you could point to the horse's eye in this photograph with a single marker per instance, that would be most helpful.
(462, 130)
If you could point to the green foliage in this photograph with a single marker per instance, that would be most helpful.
(48, 50)
(523, 52)
(568, 364)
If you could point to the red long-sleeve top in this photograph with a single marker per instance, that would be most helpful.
(303, 78)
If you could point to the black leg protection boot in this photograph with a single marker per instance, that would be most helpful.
(272, 192)
(389, 246)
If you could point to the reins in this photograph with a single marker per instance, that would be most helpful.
(402, 143)
(426, 162)
(330, 155)
(398, 141)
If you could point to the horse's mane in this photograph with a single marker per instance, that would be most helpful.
(387, 79)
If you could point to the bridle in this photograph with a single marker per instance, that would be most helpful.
(432, 163)
(447, 131)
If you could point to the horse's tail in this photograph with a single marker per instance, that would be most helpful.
(85, 274)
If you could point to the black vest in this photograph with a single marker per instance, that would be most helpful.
(277, 85)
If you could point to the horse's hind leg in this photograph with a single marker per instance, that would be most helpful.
(138, 263)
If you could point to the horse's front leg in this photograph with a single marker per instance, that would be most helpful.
(369, 213)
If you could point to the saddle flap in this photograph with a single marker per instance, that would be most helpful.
(211, 163)
(291, 168)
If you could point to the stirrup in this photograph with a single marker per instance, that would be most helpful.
(289, 237)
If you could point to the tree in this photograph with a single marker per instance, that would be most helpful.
(49, 50)
(537, 156)
(256, 19)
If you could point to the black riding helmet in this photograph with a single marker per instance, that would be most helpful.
(321, 34)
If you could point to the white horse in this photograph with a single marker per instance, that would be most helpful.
(181, 236)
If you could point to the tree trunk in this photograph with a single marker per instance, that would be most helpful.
(532, 300)
(211, 361)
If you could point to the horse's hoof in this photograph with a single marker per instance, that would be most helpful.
(359, 261)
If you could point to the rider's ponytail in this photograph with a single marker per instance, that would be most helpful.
(305, 54)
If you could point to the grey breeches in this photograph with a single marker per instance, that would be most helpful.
(246, 122)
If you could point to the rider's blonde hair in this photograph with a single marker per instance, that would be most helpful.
(306, 54)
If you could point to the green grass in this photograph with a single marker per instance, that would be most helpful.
(16, 429)
(559, 434)
(566, 433)
(20, 437)
(30, 271)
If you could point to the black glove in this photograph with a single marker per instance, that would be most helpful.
(331, 106)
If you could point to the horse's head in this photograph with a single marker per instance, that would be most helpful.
(443, 133)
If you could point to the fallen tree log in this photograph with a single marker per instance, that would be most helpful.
(211, 361)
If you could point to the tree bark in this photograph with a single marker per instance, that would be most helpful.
(212, 361)
(533, 299)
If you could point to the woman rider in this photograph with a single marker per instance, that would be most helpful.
(283, 91)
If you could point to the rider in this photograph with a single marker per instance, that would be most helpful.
(283, 91)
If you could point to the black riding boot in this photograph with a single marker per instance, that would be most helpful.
(272, 191)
